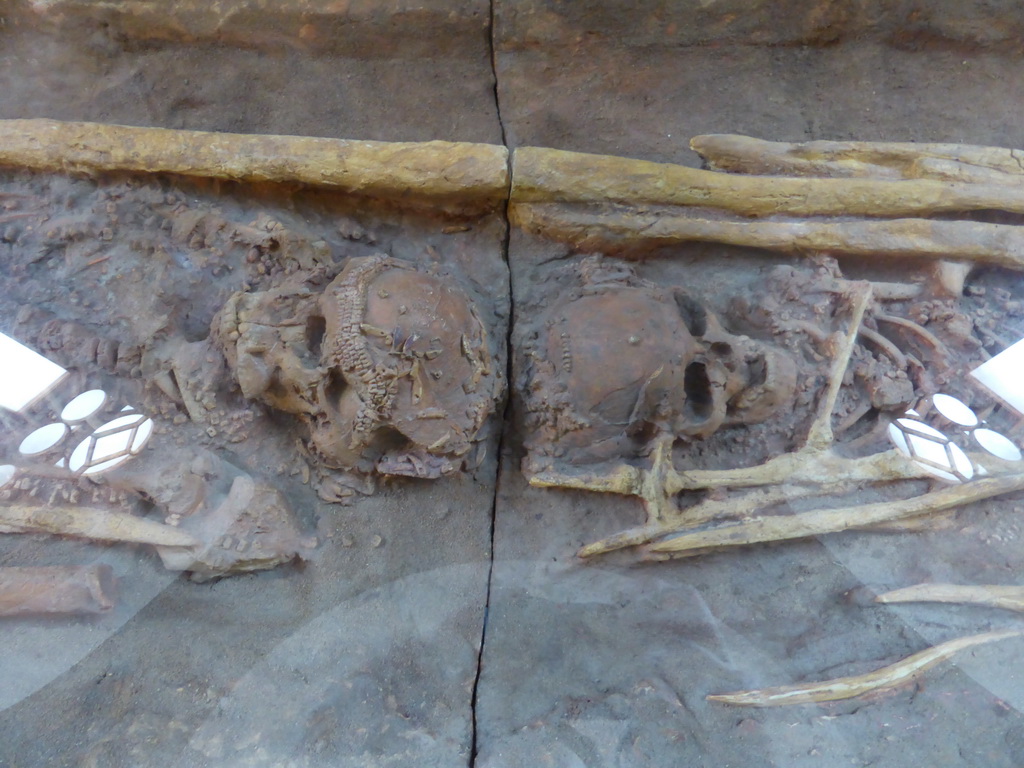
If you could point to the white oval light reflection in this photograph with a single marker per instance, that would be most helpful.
(112, 444)
(42, 439)
(928, 450)
(142, 435)
(997, 444)
(6, 474)
(83, 406)
(924, 429)
(955, 410)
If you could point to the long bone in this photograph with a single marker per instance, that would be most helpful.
(433, 171)
(551, 175)
(861, 159)
(1010, 598)
(90, 523)
(614, 228)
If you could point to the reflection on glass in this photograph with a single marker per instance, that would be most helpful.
(29, 375)
(84, 406)
(1002, 375)
(42, 439)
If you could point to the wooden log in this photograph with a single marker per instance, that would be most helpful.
(551, 175)
(56, 590)
(845, 159)
(618, 228)
(433, 170)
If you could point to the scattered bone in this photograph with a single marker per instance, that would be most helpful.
(991, 595)
(846, 159)
(886, 346)
(252, 529)
(56, 590)
(883, 679)
(814, 469)
(90, 523)
(929, 338)
(949, 277)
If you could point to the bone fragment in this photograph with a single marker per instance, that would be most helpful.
(91, 523)
(435, 170)
(991, 595)
(551, 175)
(842, 159)
(995, 244)
(819, 522)
(60, 590)
(883, 679)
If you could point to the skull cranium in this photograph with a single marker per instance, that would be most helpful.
(624, 360)
(390, 365)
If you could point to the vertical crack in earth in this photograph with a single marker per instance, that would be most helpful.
(505, 422)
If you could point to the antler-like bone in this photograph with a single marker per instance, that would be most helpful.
(65, 590)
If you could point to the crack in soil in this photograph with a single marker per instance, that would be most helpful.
(500, 468)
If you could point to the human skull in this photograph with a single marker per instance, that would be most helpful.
(390, 365)
(623, 360)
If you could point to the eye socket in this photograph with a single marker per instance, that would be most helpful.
(316, 328)
(757, 368)
(697, 387)
(693, 314)
(334, 387)
(721, 349)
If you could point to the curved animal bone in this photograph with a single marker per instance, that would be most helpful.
(883, 679)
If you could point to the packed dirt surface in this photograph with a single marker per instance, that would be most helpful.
(427, 606)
